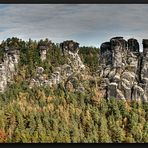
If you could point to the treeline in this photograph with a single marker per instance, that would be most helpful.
(57, 115)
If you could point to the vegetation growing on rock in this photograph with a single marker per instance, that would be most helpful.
(55, 97)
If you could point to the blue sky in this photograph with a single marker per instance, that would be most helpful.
(88, 24)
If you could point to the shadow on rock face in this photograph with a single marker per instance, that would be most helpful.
(122, 58)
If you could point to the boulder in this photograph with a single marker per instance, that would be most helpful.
(39, 70)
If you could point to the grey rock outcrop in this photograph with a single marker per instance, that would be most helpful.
(8, 68)
(118, 48)
(64, 73)
(125, 68)
(70, 45)
(44, 47)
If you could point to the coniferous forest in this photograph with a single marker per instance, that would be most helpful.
(61, 114)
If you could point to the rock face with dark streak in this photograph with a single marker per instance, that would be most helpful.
(133, 45)
(125, 69)
(106, 53)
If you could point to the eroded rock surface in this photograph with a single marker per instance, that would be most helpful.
(44, 47)
(65, 73)
(125, 68)
(8, 68)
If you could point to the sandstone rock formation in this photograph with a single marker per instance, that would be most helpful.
(44, 47)
(8, 68)
(70, 45)
(64, 73)
(124, 69)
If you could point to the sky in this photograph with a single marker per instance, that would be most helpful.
(88, 24)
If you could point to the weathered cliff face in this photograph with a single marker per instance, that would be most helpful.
(70, 50)
(65, 73)
(133, 45)
(8, 68)
(124, 69)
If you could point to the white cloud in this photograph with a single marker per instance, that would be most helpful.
(87, 23)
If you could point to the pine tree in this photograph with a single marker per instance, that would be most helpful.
(116, 132)
(145, 133)
(103, 106)
(137, 133)
(104, 132)
(130, 139)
